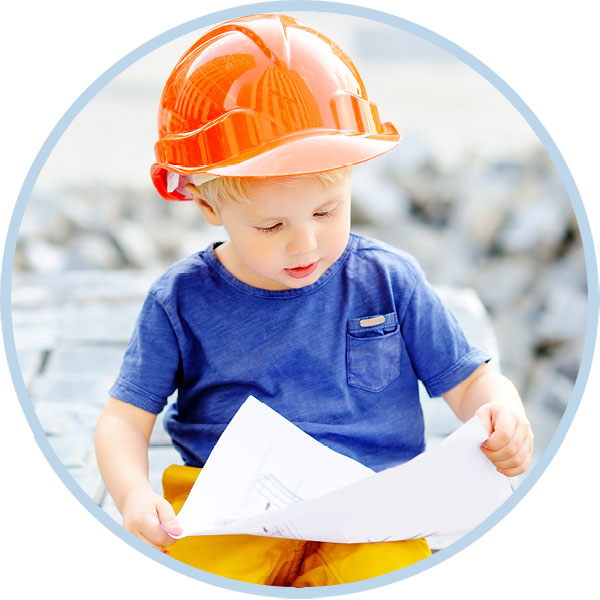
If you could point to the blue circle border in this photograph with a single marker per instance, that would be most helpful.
(313, 6)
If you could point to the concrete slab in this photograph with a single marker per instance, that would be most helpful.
(30, 362)
(100, 322)
(60, 419)
(84, 392)
(89, 480)
(75, 359)
(74, 450)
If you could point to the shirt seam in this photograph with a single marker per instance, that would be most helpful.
(457, 366)
(407, 302)
(173, 322)
(121, 382)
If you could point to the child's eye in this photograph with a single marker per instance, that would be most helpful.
(270, 229)
(323, 214)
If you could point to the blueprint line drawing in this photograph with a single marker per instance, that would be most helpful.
(267, 492)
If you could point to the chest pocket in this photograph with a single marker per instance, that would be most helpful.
(373, 351)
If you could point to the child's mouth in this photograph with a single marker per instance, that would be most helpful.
(300, 272)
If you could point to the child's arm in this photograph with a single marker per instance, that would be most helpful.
(122, 436)
(494, 399)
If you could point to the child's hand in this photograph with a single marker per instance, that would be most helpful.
(147, 515)
(510, 444)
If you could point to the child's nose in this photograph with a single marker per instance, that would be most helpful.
(301, 241)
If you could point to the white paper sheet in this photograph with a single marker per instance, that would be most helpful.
(267, 477)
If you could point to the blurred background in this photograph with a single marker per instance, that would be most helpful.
(470, 192)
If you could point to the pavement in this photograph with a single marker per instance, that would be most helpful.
(71, 329)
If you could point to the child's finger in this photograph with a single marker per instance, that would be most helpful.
(485, 416)
(502, 447)
(517, 464)
(167, 519)
(504, 424)
(514, 471)
(155, 535)
(150, 543)
(513, 460)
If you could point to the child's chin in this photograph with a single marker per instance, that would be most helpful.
(305, 281)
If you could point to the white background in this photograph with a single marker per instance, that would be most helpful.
(546, 547)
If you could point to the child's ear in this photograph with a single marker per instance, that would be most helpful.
(208, 211)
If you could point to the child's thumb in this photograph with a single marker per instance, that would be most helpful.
(167, 519)
(485, 416)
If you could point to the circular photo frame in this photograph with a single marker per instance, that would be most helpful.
(477, 191)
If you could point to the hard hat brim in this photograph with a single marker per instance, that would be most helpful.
(310, 152)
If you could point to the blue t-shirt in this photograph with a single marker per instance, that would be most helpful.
(339, 358)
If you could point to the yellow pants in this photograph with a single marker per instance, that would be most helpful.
(283, 562)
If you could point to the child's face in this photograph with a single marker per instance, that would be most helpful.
(288, 235)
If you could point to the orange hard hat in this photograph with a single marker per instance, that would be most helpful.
(264, 96)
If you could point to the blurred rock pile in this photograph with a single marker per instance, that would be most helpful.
(506, 229)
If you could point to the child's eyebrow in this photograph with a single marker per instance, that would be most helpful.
(332, 202)
(263, 218)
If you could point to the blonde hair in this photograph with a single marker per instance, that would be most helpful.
(242, 189)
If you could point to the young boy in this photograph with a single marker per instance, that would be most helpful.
(259, 124)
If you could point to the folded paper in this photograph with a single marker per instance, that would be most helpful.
(284, 483)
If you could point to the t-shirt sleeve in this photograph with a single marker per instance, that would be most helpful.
(148, 374)
(436, 343)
